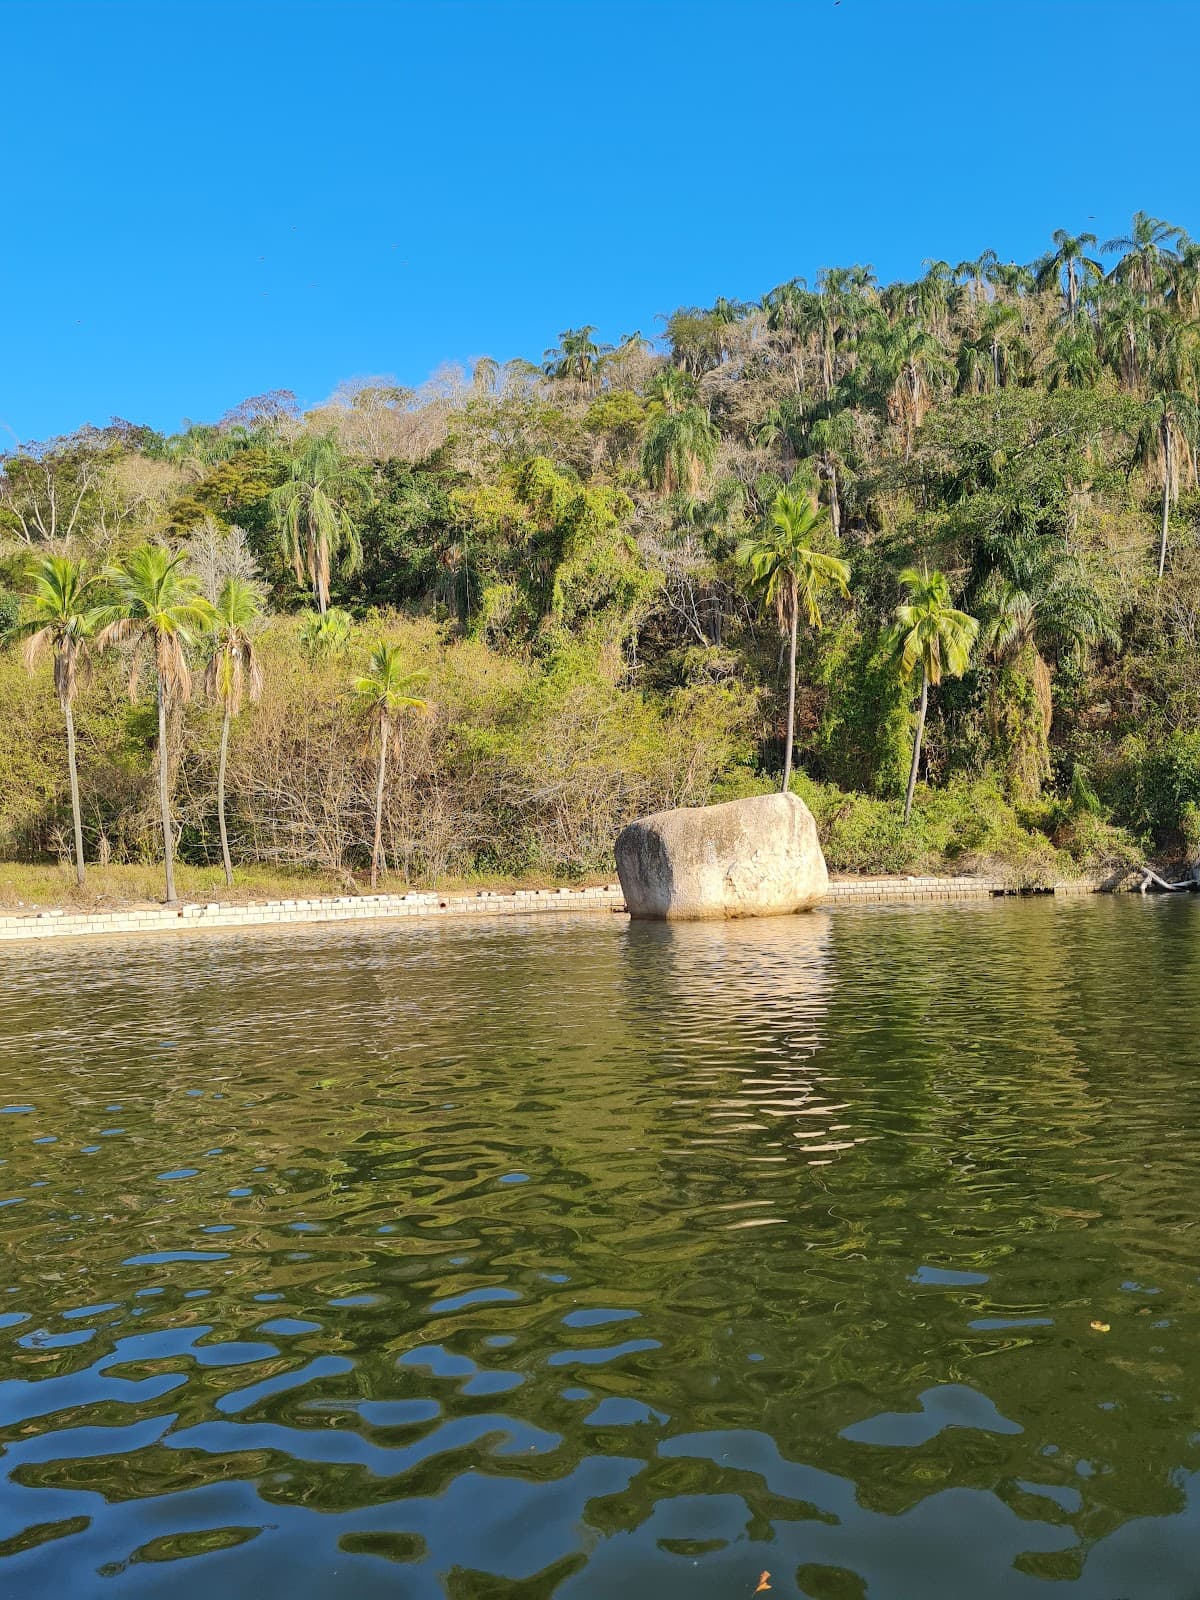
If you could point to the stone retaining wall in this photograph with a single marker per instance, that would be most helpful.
(271, 913)
(484, 903)
(872, 891)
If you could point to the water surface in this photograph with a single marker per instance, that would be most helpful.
(578, 1258)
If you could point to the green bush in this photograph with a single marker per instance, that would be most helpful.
(1157, 786)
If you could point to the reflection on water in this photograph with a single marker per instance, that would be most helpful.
(586, 1259)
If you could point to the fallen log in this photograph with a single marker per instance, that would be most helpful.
(1152, 877)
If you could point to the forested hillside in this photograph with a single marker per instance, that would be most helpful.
(597, 559)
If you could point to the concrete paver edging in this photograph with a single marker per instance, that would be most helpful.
(58, 924)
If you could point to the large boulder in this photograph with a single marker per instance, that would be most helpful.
(748, 858)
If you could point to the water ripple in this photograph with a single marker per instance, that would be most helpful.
(577, 1258)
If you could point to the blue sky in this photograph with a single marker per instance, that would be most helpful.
(204, 201)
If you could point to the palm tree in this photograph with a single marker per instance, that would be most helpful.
(832, 438)
(793, 575)
(1145, 251)
(1170, 415)
(325, 635)
(1073, 363)
(679, 450)
(936, 295)
(1123, 324)
(158, 608)
(577, 357)
(1185, 277)
(930, 634)
(1037, 598)
(984, 362)
(1069, 263)
(63, 618)
(232, 674)
(385, 691)
(979, 273)
(904, 361)
(310, 516)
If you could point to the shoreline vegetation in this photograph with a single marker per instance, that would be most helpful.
(927, 553)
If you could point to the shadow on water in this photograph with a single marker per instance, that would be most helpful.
(580, 1258)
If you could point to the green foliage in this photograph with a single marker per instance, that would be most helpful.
(1158, 787)
(10, 610)
(558, 541)
(864, 737)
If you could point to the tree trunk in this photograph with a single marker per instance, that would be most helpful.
(1166, 505)
(76, 816)
(918, 736)
(835, 502)
(164, 803)
(791, 711)
(385, 729)
(228, 864)
(1072, 292)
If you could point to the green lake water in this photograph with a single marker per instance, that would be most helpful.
(579, 1258)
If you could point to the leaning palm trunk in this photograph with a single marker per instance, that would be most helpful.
(164, 801)
(920, 733)
(76, 815)
(791, 710)
(221, 764)
(385, 729)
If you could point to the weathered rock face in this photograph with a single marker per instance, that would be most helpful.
(749, 858)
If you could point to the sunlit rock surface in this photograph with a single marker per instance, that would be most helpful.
(748, 858)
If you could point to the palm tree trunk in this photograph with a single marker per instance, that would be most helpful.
(1166, 505)
(76, 815)
(385, 729)
(1072, 292)
(791, 711)
(835, 502)
(224, 756)
(164, 802)
(920, 734)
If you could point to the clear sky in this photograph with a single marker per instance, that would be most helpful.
(207, 200)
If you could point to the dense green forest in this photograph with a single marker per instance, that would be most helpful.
(584, 580)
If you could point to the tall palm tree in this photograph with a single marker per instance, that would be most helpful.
(309, 511)
(793, 575)
(63, 618)
(1145, 252)
(932, 635)
(1185, 277)
(832, 439)
(384, 691)
(1170, 414)
(979, 274)
(233, 674)
(1069, 264)
(984, 362)
(679, 450)
(1123, 324)
(936, 296)
(159, 610)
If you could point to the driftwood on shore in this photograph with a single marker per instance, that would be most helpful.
(1149, 877)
